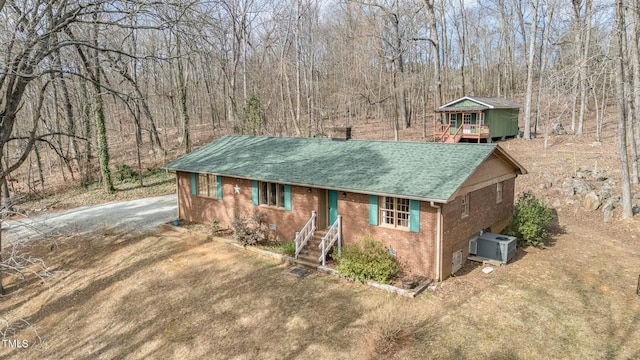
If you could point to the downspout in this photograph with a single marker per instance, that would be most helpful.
(177, 197)
(438, 240)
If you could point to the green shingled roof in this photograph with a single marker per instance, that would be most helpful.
(427, 171)
(475, 103)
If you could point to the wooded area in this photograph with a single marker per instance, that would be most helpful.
(75, 74)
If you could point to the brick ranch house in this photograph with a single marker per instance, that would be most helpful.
(424, 201)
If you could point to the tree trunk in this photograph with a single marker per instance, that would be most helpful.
(6, 196)
(103, 146)
(1, 272)
(436, 48)
(182, 98)
(530, 65)
(39, 165)
(627, 210)
(584, 64)
(86, 113)
(634, 134)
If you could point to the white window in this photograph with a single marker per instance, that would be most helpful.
(467, 119)
(465, 206)
(207, 185)
(271, 194)
(499, 187)
(395, 212)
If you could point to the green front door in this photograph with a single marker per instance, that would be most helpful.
(333, 206)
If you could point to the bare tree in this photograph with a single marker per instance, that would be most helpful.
(530, 67)
(634, 59)
(583, 57)
(620, 33)
(434, 39)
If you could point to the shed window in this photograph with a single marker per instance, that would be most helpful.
(465, 206)
(271, 194)
(499, 187)
(394, 212)
(207, 185)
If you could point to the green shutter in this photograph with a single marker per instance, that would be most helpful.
(373, 210)
(254, 192)
(194, 186)
(287, 197)
(219, 186)
(414, 216)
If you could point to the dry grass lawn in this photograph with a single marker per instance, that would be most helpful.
(187, 295)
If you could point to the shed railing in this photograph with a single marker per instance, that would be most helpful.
(475, 129)
(333, 234)
(306, 233)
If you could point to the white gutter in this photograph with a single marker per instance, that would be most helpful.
(438, 241)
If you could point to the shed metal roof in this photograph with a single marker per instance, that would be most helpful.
(418, 170)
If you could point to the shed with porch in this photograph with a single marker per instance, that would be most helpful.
(472, 118)
(422, 208)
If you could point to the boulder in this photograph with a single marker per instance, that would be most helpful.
(552, 181)
(567, 187)
(608, 215)
(611, 203)
(581, 187)
(558, 129)
(583, 174)
(591, 201)
(599, 175)
(606, 191)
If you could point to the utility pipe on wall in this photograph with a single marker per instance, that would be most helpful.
(438, 240)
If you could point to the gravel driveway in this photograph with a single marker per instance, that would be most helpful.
(138, 215)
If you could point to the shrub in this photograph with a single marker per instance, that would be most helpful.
(288, 248)
(250, 230)
(124, 172)
(530, 221)
(153, 171)
(215, 225)
(368, 260)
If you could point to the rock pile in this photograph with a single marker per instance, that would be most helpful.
(595, 187)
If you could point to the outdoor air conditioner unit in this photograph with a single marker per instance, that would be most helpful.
(493, 246)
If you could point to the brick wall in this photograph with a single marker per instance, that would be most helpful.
(414, 251)
(205, 210)
(484, 213)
